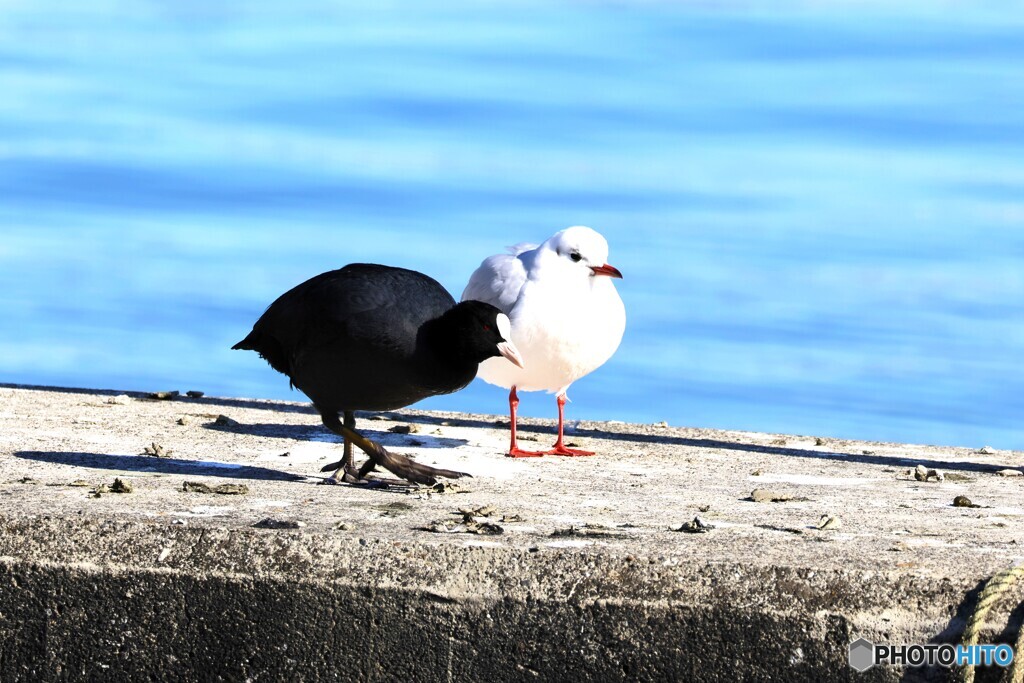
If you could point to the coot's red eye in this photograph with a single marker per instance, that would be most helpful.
(487, 328)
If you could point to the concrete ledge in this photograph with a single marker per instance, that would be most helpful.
(588, 581)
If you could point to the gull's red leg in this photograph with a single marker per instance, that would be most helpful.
(560, 448)
(514, 451)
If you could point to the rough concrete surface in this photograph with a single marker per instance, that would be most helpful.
(582, 576)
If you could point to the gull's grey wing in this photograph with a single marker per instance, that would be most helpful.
(499, 278)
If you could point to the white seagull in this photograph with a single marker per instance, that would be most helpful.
(567, 319)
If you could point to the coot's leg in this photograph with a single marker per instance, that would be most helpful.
(345, 469)
(514, 451)
(398, 464)
(560, 448)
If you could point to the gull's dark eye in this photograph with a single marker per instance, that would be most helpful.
(575, 256)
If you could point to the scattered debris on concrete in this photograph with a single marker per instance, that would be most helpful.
(157, 451)
(482, 511)
(464, 526)
(964, 502)
(829, 523)
(695, 526)
(771, 496)
(512, 519)
(223, 489)
(271, 523)
(589, 530)
(448, 487)
(119, 486)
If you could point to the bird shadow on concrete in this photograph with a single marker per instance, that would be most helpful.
(716, 444)
(527, 426)
(148, 463)
(322, 434)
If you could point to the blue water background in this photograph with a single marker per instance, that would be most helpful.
(818, 208)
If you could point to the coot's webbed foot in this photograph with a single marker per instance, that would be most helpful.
(410, 469)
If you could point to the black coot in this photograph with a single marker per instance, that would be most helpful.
(371, 337)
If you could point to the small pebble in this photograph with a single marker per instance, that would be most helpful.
(184, 420)
(922, 473)
(120, 486)
(225, 421)
(194, 394)
(1010, 473)
(164, 395)
(964, 502)
(120, 400)
(404, 429)
(987, 450)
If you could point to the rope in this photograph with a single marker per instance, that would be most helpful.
(994, 589)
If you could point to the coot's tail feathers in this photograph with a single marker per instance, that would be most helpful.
(269, 349)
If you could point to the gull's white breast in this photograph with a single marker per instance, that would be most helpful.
(564, 329)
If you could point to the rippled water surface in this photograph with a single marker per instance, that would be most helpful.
(819, 210)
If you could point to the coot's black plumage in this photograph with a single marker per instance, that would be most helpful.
(372, 337)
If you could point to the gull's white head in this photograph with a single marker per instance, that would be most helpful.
(581, 251)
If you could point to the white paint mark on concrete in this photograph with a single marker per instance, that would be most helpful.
(569, 544)
(812, 480)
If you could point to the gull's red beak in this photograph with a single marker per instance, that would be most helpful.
(610, 271)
